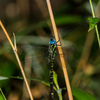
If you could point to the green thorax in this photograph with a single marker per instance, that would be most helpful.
(52, 50)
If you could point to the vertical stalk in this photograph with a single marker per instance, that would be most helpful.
(60, 95)
(96, 28)
(60, 50)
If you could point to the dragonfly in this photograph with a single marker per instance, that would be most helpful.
(51, 51)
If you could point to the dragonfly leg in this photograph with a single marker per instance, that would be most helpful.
(58, 41)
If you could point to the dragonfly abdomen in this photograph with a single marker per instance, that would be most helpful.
(51, 78)
(52, 51)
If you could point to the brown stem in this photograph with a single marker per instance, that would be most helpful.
(60, 51)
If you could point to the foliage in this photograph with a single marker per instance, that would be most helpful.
(31, 25)
(92, 23)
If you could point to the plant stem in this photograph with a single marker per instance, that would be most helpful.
(60, 50)
(3, 94)
(96, 28)
(59, 92)
(17, 57)
(60, 96)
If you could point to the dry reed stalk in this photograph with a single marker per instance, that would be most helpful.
(17, 57)
(60, 50)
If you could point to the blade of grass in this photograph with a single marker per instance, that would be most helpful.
(96, 28)
(3, 94)
(60, 50)
(17, 57)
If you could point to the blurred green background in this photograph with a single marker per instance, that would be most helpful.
(29, 20)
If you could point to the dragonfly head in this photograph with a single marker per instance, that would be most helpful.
(52, 41)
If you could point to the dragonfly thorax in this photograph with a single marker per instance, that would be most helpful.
(52, 49)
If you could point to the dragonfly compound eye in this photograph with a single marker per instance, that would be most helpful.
(51, 39)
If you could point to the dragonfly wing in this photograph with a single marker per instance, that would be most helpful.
(38, 64)
(35, 60)
(71, 61)
(68, 52)
(35, 57)
(31, 50)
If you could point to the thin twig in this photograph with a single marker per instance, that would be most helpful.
(17, 57)
(60, 51)
(15, 42)
(96, 28)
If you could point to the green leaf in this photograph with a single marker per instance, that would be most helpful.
(59, 91)
(55, 79)
(3, 78)
(81, 95)
(40, 80)
(92, 23)
(1, 97)
(63, 19)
